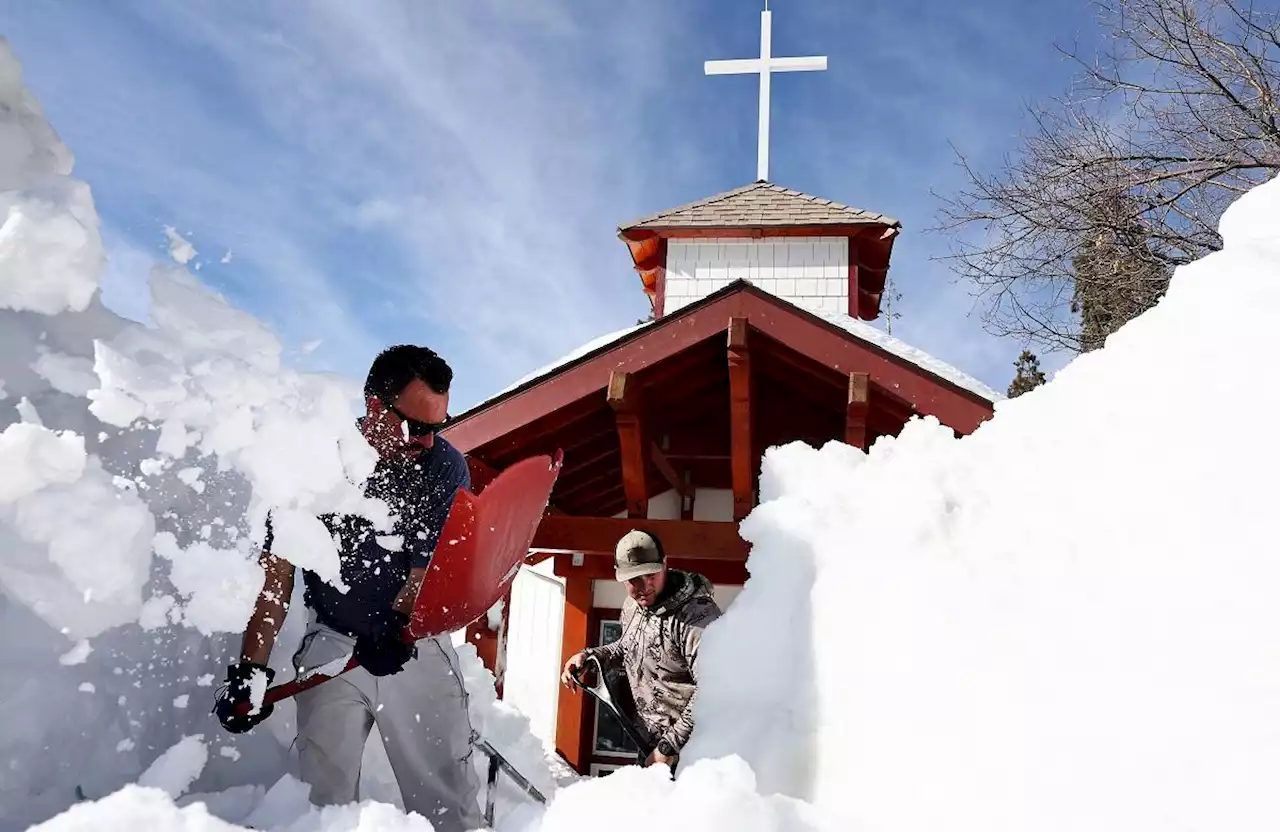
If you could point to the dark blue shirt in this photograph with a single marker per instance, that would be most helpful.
(420, 495)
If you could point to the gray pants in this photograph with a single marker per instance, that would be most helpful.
(421, 714)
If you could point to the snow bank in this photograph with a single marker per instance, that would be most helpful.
(50, 249)
(139, 464)
(1065, 621)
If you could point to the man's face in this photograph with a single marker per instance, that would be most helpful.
(387, 431)
(645, 589)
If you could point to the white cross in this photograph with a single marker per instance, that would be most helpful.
(764, 65)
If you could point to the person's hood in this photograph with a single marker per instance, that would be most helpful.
(691, 586)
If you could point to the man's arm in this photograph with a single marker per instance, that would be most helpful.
(610, 653)
(269, 610)
(433, 515)
(680, 731)
(404, 601)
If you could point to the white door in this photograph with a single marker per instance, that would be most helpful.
(534, 633)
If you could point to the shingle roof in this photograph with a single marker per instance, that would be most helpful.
(760, 204)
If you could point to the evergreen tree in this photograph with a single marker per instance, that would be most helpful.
(1117, 277)
(1028, 376)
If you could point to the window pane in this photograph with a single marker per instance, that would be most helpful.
(611, 739)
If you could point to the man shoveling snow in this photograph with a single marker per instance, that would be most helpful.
(414, 693)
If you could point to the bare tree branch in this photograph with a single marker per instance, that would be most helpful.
(1126, 177)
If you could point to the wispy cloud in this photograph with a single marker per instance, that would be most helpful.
(453, 173)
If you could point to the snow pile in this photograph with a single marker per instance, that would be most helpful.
(210, 376)
(50, 249)
(139, 464)
(175, 770)
(76, 548)
(1065, 621)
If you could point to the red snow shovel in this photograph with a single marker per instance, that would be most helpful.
(482, 545)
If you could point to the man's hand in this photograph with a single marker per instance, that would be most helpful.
(576, 661)
(657, 756)
(238, 691)
(384, 651)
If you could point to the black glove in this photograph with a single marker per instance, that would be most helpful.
(236, 692)
(383, 650)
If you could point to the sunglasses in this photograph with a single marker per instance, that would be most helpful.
(417, 428)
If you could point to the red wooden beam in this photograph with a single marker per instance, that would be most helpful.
(855, 414)
(668, 471)
(571, 719)
(928, 395)
(597, 536)
(740, 418)
(600, 569)
(586, 379)
(808, 334)
(624, 397)
(604, 479)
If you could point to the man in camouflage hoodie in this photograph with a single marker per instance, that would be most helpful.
(662, 622)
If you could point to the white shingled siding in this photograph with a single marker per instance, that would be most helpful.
(811, 272)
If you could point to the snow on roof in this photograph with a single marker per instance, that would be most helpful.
(547, 369)
(906, 352)
(857, 328)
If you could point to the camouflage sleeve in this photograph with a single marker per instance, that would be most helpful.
(680, 731)
(610, 653)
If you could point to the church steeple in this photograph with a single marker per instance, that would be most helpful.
(821, 255)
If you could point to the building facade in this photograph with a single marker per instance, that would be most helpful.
(760, 336)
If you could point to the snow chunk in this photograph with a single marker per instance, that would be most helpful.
(181, 701)
(77, 551)
(50, 248)
(303, 540)
(180, 248)
(77, 654)
(87, 687)
(493, 617)
(67, 373)
(158, 611)
(175, 770)
(257, 690)
(211, 376)
(220, 585)
(33, 457)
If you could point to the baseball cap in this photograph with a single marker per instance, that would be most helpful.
(638, 553)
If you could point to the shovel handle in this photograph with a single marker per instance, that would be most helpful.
(297, 686)
(605, 699)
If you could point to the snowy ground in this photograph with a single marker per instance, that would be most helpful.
(1066, 621)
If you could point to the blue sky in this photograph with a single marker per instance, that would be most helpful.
(453, 173)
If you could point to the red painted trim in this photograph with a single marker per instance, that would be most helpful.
(590, 375)
(660, 286)
(929, 395)
(753, 231)
(571, 715)
(597, 568)
(803, 332)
